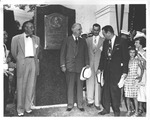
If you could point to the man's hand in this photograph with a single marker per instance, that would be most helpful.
(139, 78)
(11, 65)
(87, 66)
(98, 71)
(63, 68)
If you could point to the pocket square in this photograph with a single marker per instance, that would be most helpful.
(36, 45)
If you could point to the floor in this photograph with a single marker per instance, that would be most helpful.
(60, 111)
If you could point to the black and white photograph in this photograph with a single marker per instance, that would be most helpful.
(77, 58)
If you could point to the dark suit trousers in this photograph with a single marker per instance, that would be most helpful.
(6, 91)
(111, 94)
(73, 79)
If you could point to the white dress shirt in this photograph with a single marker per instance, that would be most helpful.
(28, 46)
(74, 37)
(113, 41)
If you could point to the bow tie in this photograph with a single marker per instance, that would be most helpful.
(29, 36)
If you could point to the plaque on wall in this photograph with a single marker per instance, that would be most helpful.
(56, 29)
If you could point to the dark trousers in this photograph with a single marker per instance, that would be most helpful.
(111, 93)
(72, 80)
(6, 90)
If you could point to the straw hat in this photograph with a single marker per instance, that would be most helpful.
(85, 73)
(125, 32)
(139, 34)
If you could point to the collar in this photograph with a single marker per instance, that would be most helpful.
(113, 38)
(74, 37)
(96, 37)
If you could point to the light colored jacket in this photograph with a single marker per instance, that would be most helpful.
(94, 53)
(18, 52)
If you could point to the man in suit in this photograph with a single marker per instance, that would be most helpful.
(93, 88)
(25, 49)
(73, 57)
(113, 64)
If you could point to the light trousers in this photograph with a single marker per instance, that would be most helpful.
(25, 85)
(93, 90)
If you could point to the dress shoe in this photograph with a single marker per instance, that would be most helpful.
(29, 111)
(103, 112)
(20, 114)
(97, 107)
(90, 104)
(81, 109)
(68, 109)
(116, 113)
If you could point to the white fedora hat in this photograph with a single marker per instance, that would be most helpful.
(139, 34)
(85, 73)
(100, 78)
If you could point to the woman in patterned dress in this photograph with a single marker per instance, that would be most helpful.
(140, 43)
(130, 86)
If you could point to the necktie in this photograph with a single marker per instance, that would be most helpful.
(95, 41)
(76, 40)
(109, 50)
(94, 45)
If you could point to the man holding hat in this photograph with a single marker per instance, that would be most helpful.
(73, 57)
(114, 64)
(93, 88)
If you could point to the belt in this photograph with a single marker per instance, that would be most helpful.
(30, 57)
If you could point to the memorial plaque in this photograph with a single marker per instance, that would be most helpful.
(56, 29)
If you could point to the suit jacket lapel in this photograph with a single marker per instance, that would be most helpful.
(74, 46)
(91, 42)
(99, 44)
(72, 42)
(115, 43)
(34, 42)
(22, 42)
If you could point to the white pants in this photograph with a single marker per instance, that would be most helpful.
(93, 89)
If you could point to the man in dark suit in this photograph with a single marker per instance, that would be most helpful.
(73, 57)
(113, 64)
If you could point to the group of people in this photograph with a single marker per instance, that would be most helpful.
(109, 55)
(123, 67)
